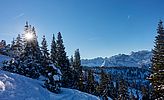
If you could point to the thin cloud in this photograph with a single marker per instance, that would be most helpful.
(19, 16)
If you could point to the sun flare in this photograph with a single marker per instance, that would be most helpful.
(29, 36)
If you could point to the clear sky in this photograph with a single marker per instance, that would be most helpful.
(97, 27)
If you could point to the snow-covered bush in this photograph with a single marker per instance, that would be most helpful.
(52, 83)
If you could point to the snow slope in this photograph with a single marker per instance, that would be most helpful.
(17, 87)
(135, 59)
(3, 58)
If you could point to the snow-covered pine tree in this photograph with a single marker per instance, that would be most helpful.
(71, 62)
(14, 65)
(48, 69)
(116, 88)
(131, 96)
(61, 57)
(53, 50)
(18, 47)
(80, 83)
(90, 84)
(12, 47)
(67, 76)
(45, 59)
(78, 74)
(62, 62)
(104, 85)
(112, 90)
(52, 82)
(157, 76)
(31, 55)
(3, 48)
(145, 93)
(10, 66)
(123, 90)
(77, 61)
(3, 42)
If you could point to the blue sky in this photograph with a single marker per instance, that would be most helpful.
(96, 27)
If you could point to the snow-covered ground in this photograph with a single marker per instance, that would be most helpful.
(18, 87)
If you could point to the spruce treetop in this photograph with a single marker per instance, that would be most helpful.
(160, 27)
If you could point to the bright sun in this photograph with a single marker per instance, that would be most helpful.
(29, 36)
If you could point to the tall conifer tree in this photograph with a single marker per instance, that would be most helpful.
(45, 59)
(77, 68)
(53, 50)
(31, 55)
(61, 57)
(123, 90)
(90, 86)
(77, 62)
(157, 76)
(71, 62)
(18, 46)
(62, 62)
(104, 85)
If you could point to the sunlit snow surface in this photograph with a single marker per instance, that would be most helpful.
(17, 87)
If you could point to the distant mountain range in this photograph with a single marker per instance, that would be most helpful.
(135, 59)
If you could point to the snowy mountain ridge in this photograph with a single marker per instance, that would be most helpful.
(134, 59)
